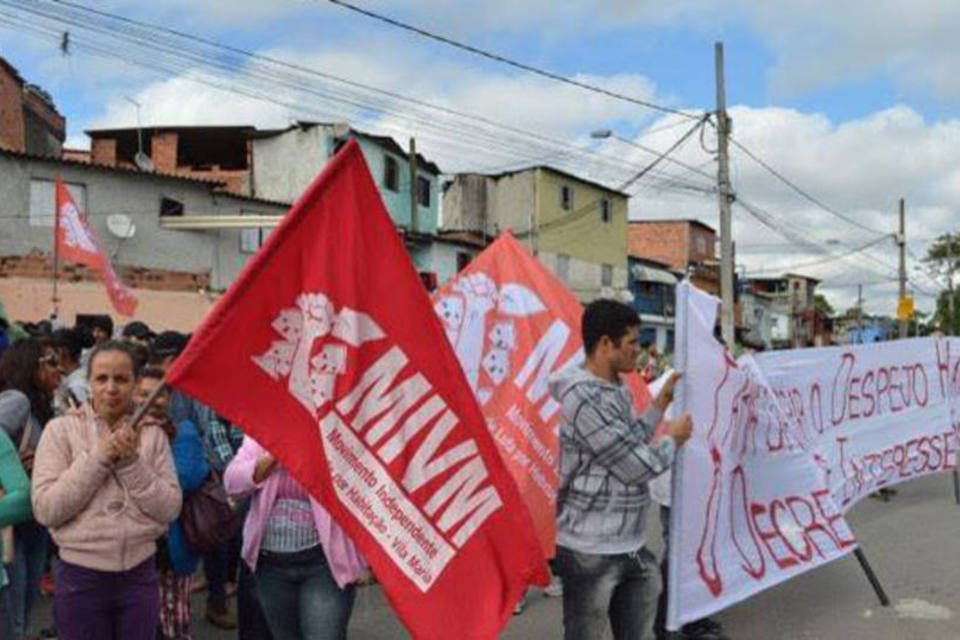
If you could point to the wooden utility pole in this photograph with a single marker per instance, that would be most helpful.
(413, 186)
(902, 241)
(725, 197)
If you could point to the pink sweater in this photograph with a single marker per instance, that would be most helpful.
(345, 561)
(102, 516)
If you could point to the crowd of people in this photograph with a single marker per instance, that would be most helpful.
(117, 516)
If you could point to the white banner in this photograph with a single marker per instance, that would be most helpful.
(783, 443)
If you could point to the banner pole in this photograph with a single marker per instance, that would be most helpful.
(872, 577)
(956, 485)
(676, 504)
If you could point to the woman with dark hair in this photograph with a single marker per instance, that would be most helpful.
(107, 492)
(29, 376)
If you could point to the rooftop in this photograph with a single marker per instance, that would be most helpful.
(561, 172)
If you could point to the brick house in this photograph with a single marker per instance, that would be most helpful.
(29, 120)
(687, 246)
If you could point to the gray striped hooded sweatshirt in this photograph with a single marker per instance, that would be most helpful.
(606, 460)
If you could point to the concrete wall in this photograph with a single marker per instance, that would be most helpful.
(28, 300)
(138, 196)
(580, 232)
(286, 164)
(584, 278)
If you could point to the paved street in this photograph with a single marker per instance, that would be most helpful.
(909, 541)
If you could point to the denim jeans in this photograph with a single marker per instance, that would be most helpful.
(300, 598)
(622, 588)
(6, 612)
(30, 547)
(251, 623)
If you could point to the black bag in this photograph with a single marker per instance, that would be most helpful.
(208, 519)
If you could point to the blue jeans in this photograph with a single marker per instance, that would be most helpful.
(30, 546)
(300, 598)
(6, 613)
(622, 588)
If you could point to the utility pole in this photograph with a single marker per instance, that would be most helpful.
(413, 185)
(725, 197)
(860, 312)
(902, 241)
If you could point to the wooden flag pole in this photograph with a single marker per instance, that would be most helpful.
(872, 577)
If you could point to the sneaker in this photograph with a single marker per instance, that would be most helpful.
(555, 588)
(706, 629)
(517, 610)
(220, 616)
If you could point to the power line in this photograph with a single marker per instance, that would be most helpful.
(152, 38)
(804, 265)
(588, 208)
(801, 192)
(513, 63)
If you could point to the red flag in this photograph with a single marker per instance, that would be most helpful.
(77, 243)
(512, 324)
(326, 350)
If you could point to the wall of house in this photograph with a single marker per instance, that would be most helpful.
(580, 232)
(511, 203)
(584, 279)
(465, 203)
(398, 202)
(216, 253)
(11, 112)
(666, 242)
(442, 258)
(284, 165)
(29, 300)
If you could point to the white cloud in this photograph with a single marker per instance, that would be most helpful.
(860, 168)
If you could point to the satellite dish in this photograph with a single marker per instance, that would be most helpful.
(143, 161)
(121, 226)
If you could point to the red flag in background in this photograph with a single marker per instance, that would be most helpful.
(327, 351)
(512, 324)
(76, 242)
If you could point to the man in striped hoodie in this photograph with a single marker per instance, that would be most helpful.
(607, 456)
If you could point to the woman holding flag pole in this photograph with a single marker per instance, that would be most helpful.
(107, 490)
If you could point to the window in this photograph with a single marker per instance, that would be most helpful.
(563, 267)
(606, 275)
(648, 336)
(250, 240)
(43, 201)
(423, 192)
(391, 174)
(253, 238)
(170, 207)
(606, 210)
(566, 197)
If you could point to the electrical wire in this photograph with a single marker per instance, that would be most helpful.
(799, 191)
(513, 63)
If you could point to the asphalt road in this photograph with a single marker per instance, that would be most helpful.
(911, 543)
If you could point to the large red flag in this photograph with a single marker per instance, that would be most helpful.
(512, 324)
(77, 243)
(327, 351)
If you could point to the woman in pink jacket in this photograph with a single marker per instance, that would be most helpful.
(304, 565)
(107, 492)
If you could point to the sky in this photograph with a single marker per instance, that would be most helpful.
(853, 102)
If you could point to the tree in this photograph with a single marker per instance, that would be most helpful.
(821, 304)
(943, 259)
